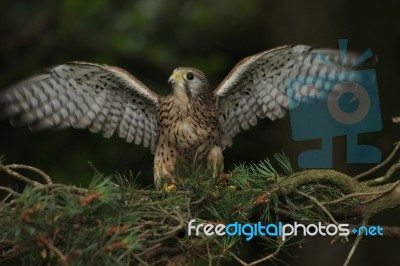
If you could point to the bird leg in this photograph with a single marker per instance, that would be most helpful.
(215, 161)
(163, 170)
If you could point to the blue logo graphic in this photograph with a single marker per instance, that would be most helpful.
(368, 231)
(335, 104)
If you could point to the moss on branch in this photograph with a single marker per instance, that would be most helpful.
(114, 221)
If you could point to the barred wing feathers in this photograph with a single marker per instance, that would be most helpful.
(255, 87)
(85, 95)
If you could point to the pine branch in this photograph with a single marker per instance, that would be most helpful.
(114, 221)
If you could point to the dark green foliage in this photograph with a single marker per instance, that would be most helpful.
(115, 222)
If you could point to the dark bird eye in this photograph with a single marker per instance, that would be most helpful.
(189, 76)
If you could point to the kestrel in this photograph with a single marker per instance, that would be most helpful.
(193, 123)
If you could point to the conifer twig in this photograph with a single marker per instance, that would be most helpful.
(259, 261)
(382, 164)
(17, 175)
(319, 204)
(382, 179)
(355, 244)
(142, 226)
(362, 194)
(33, 169)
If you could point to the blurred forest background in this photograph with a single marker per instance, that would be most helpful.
(149, 38)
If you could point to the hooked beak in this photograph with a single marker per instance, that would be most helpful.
(174, 78)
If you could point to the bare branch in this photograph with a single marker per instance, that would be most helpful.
(259, 261)
(33, 169)
(379, 166)
(355, 245)
(18, 176)
(382, 179)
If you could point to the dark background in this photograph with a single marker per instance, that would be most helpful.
(149, 38)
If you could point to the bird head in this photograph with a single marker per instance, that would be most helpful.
(189, 83)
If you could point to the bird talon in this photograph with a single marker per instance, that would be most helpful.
(169, 187)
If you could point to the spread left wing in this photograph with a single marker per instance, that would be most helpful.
(255, 87)
(98, 97)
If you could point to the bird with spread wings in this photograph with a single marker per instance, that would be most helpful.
(193, 123)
